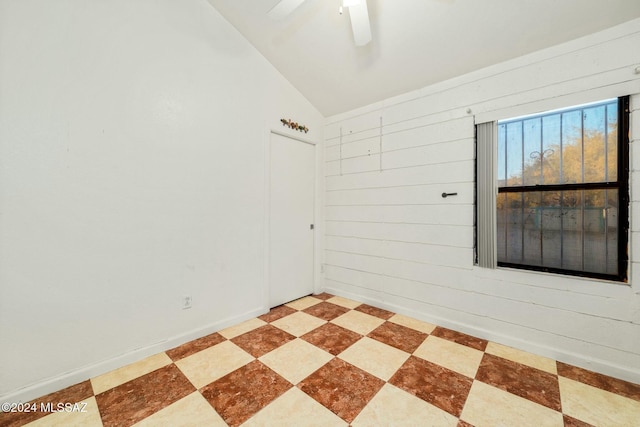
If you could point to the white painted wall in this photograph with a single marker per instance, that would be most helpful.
(393, 241)
(132, 169)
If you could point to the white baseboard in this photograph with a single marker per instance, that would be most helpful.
(77, 376)
(581, 360)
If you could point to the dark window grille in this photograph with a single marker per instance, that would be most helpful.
(563, 192)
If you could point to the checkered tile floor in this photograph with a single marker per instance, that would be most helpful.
(329, 361)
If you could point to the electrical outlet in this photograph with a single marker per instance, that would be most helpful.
(186, 302)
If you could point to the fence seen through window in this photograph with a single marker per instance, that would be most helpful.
(562, 190)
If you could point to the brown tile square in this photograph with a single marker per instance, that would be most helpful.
(434, 384)
(192, 347)
(464, 424)
(331, 338)
(137, 399)
(342, 388)
(572, 422)
(398, 336)
(277, 313)
(74, 394)
(323, 296)
(374, 311)
(524, 381)
(460, 338)
(239, 395)
(262, 340)
(326, 310)
(614, 385)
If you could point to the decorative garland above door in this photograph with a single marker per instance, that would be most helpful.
(293, 125)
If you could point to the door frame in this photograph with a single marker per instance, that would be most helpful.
(317, 208)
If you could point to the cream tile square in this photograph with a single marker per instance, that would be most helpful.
(344, 302)
(595, 406)
(129, 372)
(239, 329)
(86, 415)
(488, 406)
(358, 322)
(457, 357)
(212, 363)
(412, 323)
(302, 303)
(395, 407)
(295, 408)
(190, 411)
(296, 360)
(298, 323)
(375, 357)
(519, 356)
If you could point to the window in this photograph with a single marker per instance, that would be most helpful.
(562, 201)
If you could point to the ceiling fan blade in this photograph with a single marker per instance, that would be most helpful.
(284, 8)
(359, 15)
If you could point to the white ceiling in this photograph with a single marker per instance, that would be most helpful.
(415, 42)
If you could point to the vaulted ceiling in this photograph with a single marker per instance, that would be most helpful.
(415, 42)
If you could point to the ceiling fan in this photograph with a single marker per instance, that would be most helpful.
(358, 13)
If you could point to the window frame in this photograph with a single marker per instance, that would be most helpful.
(621, 184)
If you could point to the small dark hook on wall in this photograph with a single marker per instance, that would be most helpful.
(444, 195)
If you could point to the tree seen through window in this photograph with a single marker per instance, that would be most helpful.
(558, 205)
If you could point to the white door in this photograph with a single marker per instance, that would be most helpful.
(291, 206)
